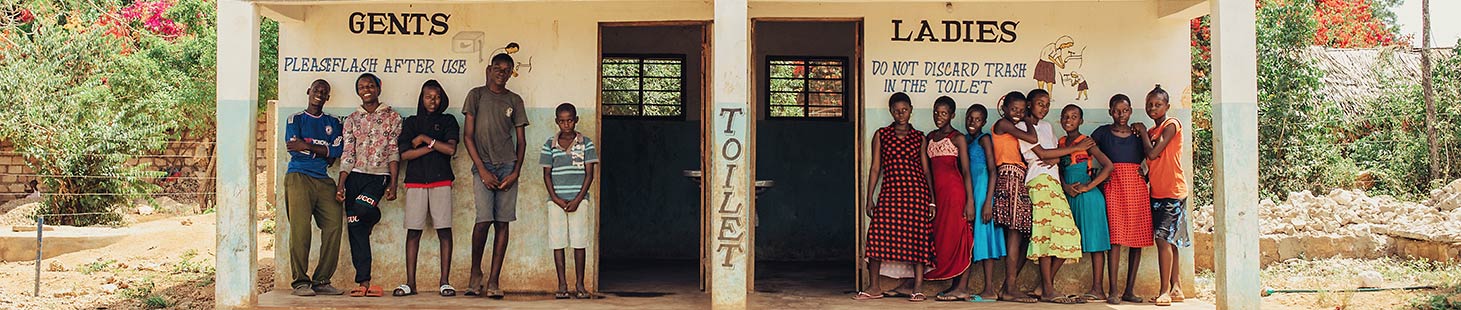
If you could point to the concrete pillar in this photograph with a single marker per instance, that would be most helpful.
(729, 181)
(1235, 126)
(238, 52)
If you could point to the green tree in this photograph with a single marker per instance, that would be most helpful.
(92, 84)
(77, 112)
(268, 62)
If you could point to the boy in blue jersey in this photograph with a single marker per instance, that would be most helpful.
(314, 144)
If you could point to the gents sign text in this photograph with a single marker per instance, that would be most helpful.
(415, 24)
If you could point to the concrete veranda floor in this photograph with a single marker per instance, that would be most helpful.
(672, 285)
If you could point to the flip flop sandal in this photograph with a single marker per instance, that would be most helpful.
(447, 291)
(1092, 297)
(583, 295)
(917, 297)
(866, 296)
(1160, 302)
(403, 290)
(473, 291)
(474, 288)
(494, 293)
(560, 295)
(942, 297)
(1066, 300)
(894, 293)
(1177, 296)
(358, 292)
(977, 298)
(375, 291)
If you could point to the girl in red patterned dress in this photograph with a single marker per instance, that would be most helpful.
(902, 218)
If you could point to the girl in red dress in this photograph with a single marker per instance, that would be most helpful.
(953, 242)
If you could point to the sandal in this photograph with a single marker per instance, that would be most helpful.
(582, 294)
(358, 292)
(866, 296)
(1160, 301)
(495, 293)
(474, 288)
(1092, 297)
(1177, 295)
(403, 290)
(942, 297)
(447, 291)
(560, 295)
(917, 297)
(1067, 300)
(977, 298)
(375, 291)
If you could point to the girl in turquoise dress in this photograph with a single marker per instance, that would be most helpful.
(988, 237)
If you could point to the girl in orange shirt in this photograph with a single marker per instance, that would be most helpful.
(1163, 145)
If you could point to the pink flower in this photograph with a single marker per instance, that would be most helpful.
(26, 16)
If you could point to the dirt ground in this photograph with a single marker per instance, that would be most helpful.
(172, 267)
(1345, 273)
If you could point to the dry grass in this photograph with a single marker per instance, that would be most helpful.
(1327, 275)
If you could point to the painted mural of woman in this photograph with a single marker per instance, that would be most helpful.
(1053, 56)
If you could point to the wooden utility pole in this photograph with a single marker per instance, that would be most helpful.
(1430, 100)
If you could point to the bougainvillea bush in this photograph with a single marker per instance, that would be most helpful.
(91, 84)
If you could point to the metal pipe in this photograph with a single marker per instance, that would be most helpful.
(40, 227)
(1270, 291)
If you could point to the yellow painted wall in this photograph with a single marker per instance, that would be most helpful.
(560, 42)
(1126, 47)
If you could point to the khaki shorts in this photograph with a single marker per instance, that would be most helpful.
(421, 202)
(567, 229)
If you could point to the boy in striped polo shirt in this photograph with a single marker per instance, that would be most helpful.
(568, 160)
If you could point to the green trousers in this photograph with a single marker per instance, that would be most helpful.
(308, 197)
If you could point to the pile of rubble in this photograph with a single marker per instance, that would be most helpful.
(1354, 213)
(1348, 223)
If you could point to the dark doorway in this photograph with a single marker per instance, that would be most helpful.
(806, 77)
(652, 94)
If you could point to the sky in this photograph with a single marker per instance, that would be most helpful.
(1445, 26)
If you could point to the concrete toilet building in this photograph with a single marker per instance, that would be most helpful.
(735, 136)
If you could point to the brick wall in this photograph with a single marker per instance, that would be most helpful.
(190, 156)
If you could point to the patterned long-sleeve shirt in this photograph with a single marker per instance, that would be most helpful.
(370, 140)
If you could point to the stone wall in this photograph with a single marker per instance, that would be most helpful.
(190, 157)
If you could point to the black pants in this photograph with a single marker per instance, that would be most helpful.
(362, 193)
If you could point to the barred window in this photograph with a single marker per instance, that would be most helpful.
(643, 85)
(806, 87)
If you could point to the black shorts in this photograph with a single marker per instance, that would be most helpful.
(1169, 221)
